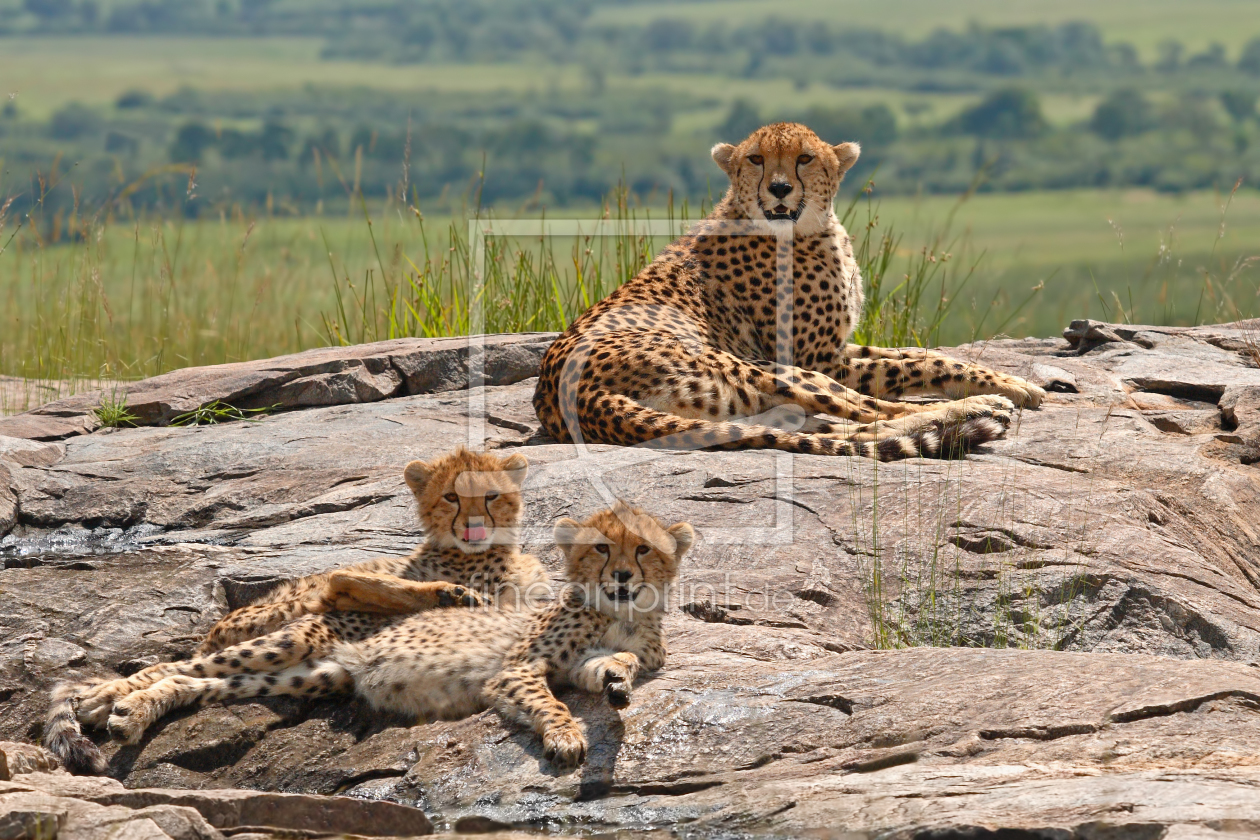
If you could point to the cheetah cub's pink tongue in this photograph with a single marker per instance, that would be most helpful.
(475, 531)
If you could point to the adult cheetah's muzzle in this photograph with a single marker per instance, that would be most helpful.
(781, 213)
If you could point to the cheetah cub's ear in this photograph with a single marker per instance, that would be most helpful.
(566, 534)
(723, 154)
(846, 155)
(417, 475)
(517, 467)
(684, 535)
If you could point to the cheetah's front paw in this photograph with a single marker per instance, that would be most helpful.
(565, 747)
(1021, 392)
(617, 680)
(454, 595)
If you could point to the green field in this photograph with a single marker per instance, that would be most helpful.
(137, 298)
(43, 74)
(1143, 22)
(1151, 251)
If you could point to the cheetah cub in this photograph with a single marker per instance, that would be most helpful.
(598, 635)
(470, 506)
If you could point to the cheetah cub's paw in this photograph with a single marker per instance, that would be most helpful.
(454, 595)
(95, 703)
(130, 718)
(564, 746)
(617, 680)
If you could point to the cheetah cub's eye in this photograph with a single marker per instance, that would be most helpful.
(757, 159)
(641, 550)
(804, 159)
(451, 497)
(490, 497)
(601, 549)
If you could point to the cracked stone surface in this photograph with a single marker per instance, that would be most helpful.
(1108, 549)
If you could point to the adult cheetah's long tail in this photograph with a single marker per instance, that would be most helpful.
(648, 428)
(63, 737)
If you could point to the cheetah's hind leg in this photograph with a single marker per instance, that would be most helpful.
(896, 372)
(311, 635)
(136, 712)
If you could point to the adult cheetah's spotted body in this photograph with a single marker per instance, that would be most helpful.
(690, 352)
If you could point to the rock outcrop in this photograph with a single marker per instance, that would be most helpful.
(1108, 548)
(38, 805)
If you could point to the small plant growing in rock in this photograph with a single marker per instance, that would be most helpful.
(1251, 342)
(220, 412)
(112, 413)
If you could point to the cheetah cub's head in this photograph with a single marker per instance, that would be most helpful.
(784, 172)
(622, 560)
(469, 500)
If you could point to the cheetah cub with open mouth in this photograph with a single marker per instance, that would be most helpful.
(470, 506)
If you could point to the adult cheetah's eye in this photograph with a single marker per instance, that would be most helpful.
(757, 159)
(641, 550)
(490, 497)
(602, 549)
(451, 497)
(804, 159)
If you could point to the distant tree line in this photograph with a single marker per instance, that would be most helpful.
(1181, 121)
(247, 149)
(499, 30)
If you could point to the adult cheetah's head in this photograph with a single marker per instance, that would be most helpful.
(622, 559)
(469, 500)
(784, 172)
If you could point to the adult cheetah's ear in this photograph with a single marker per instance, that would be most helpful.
(417, 475)
(517, 467)
(846, 155)
(684, 535)
(566, 534)
(723, 154)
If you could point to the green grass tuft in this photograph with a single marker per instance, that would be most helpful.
(219, 412)
(112, 412)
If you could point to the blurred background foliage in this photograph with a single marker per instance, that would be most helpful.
(557, 101)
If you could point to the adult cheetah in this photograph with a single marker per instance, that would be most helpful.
(470, 506)
(603, 629)
(735, 336)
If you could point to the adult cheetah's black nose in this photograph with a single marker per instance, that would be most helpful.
(622, 577)
(780, 189)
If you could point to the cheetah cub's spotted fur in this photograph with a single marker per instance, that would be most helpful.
(470, 506)
(684, 355)
(598, 635)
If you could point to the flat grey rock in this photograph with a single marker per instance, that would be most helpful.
(1108, 547)
(102, 807)
(324, 376)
